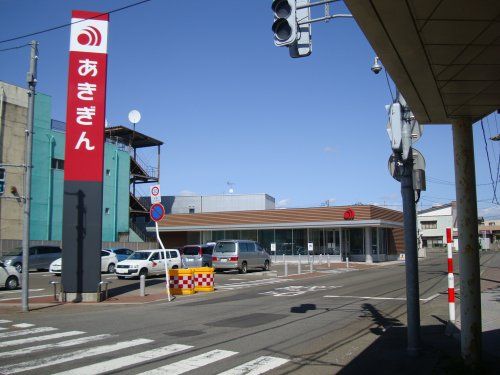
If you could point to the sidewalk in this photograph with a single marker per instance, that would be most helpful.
(440, 353)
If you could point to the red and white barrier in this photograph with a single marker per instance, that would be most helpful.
(451, 277)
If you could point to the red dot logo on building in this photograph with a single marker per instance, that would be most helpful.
(349, 214)
(90, 36)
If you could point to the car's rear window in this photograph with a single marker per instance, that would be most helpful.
(190, 250)
(225, 247)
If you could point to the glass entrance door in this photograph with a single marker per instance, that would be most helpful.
(332, 244)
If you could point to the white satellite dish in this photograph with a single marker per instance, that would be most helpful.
(134, 116)
(231, 191)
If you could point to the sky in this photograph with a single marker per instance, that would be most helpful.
(232, 107)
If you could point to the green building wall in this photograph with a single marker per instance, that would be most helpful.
(47, 183)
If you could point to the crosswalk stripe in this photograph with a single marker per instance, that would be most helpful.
(2, 329)
(191, 363)
(257, 366)
(118, 363)
(23, 325)
(72, 356)
(2, 321)
(25, 332)
(249, 284)
(62, 344)
(39, 338)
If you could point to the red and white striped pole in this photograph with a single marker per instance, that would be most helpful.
(451, 277)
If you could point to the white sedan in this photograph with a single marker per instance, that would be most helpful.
(108, 263)
(9, 277)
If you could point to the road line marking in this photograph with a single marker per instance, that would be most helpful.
(72, 356)
(23, 325)
(61, 344)
(257, 366)
(428, 299)
(27, 332)
(2, 329)
(17, 298)
(19, 291)
(39, 338)
(118, 363)
(192, 363)
(5, 321)
(385, 298)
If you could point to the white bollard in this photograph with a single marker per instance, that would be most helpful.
(299, 266)
(283, 258)
(347, 262)
(142, 284)
(311, 267)
(451, 276)
(328, 259)
(286, 269)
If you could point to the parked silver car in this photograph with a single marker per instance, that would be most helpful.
(40, 257)
(240, 255)
(197, 255)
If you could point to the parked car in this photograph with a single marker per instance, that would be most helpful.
(148, 262)
(197, 255)
(9, 277)
(108, 263)
(121, 253)
(40, 257)
(240, 255)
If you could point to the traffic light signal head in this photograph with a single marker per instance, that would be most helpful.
(285, 22)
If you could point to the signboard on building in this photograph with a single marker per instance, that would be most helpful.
(273, 247)
(84, 152)
(155, 194)
(310, 247)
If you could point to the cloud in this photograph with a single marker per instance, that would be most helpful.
(187, 193)
(329, 150)
(283, 203)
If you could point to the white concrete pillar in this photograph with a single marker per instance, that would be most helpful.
(368, 245)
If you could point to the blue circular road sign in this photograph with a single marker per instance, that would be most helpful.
(157, 212)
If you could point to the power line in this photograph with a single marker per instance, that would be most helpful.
(495, 200)
(12, 48)
(71, 23)
(444, 182)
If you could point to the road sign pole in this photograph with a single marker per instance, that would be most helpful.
(167, 278)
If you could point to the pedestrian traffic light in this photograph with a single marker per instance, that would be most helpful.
(285, 22)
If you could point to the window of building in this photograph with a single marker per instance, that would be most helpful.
(357, 240)
(249, 235)
(266, 238)
(432, 241)
(284, 241)
(299, 241)
(428, 224)
(57, 164)
(374, 240)
(107, 210)
(2, 180)
(108, 172)
(191, 210)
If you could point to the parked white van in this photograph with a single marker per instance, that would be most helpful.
(148, 262)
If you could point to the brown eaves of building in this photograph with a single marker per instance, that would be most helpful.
(295, 215)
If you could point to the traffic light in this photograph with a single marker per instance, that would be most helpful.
(285, 22)
(2, 181)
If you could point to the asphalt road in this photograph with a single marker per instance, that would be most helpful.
(314, 324)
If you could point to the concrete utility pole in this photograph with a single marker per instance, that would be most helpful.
(468, 256)
(31, 79)
(411, 256)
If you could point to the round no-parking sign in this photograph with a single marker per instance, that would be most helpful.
(157, 212)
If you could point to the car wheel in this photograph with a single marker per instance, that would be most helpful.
(243, 268)
(144, 272)
(19, 267)
(267, 266)
(111, 268)
(206, 265)
(175, 267)
(12, 283)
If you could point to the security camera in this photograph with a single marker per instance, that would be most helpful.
(376, 67)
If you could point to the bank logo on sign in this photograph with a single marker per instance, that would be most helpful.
(90, 36)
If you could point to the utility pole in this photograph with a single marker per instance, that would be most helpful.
(31, 79)
(407, 165)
